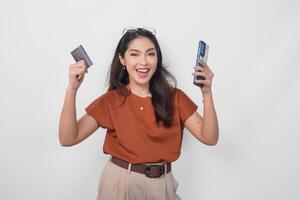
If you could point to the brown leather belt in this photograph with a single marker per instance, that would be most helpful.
(149, 170)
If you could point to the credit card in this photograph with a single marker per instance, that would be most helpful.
(80, 54)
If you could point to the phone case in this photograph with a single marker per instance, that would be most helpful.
(202, 55)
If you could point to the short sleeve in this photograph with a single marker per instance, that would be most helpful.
(99, 110)
(186, 106)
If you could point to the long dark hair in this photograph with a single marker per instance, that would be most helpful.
(160, 85)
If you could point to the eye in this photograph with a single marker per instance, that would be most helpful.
(133, 54)
(151, 54)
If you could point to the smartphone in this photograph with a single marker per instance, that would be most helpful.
(202, 55)
(80, 54)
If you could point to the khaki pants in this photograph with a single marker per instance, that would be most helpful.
(117, 183)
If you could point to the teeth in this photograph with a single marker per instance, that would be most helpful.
(142, 70)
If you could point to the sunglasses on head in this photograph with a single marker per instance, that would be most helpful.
(134, 29)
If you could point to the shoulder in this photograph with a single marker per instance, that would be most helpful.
(177, 92)
(181, 98)
(112, 97)
(111, 94)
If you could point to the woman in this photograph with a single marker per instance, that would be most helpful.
(144, 116)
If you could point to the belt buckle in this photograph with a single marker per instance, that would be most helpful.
(148, 170)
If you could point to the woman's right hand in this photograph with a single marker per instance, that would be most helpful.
(76, 74)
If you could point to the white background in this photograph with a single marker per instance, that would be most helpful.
(254, 52)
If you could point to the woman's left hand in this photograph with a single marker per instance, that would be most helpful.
(207, 74)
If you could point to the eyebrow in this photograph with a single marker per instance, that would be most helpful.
(139, 50)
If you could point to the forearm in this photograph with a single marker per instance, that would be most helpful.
(210, 127)
(68, 122)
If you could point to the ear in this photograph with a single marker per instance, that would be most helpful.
(122, 61)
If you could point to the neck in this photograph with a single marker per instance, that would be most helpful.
(140, 90)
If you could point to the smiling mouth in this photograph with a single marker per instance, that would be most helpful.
(142, 72)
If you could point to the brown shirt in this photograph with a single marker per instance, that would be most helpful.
(132, 131)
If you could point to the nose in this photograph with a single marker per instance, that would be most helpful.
(143, 60)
